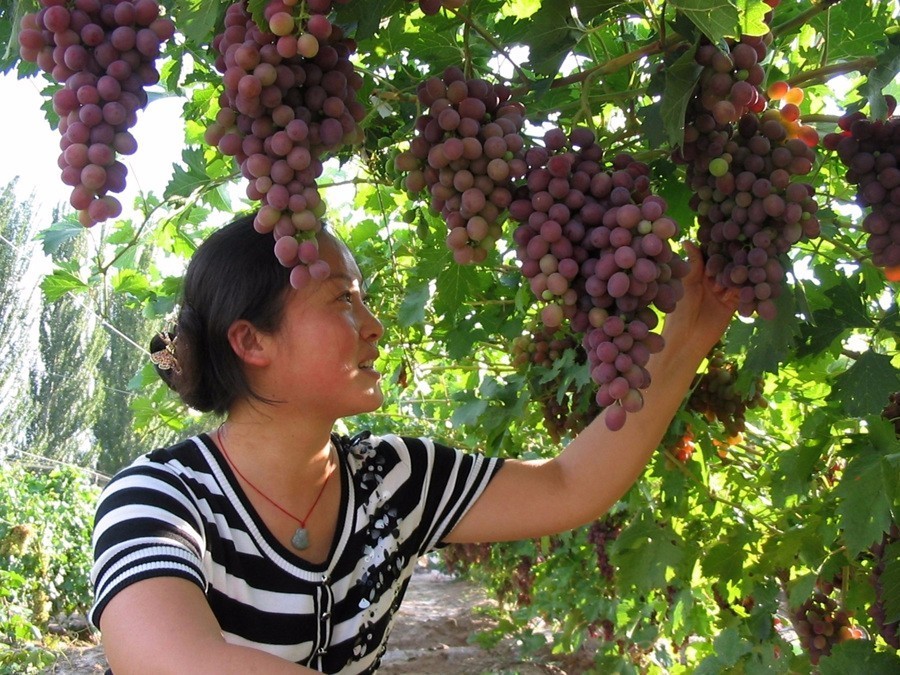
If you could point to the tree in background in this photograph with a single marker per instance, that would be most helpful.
(18, 298)
(65, 392)
(119, 438)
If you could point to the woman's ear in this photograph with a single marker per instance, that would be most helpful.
(248, 343)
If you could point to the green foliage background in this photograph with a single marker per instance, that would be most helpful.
(714, 550)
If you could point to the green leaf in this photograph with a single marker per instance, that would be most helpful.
(769, 342)
(681, 80)
(59, 233)
(717, 19)
(890, 583)
(129, 281)
(864, 387)
(723, 561)
(60, 282)
(880, 77)
(550, 37)
(468, 413)
(412, 309)
(858, 657)
(185, 182)
(730, 646)
(753, 17)
(865, 500)
(643, 553)
(197, 18)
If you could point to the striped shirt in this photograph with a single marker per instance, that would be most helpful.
(180, 512)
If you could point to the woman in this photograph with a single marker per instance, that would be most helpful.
(271, 544)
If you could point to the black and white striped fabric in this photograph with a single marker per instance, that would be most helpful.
(180, 512)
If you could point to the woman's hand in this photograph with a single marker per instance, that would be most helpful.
(702, 315)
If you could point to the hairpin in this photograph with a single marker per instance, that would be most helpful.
(165, 358)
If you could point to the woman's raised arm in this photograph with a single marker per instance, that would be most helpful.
(536, 498)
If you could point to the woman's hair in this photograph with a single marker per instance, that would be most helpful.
(233, 275)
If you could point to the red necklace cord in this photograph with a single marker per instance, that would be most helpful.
(262, 494)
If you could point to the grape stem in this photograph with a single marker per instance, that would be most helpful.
(821, 75)
(492, 41)
(803, 18)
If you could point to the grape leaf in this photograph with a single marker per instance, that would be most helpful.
(643, 552)
(724, 560)
(730, 646)
(880, 77)
(890, 583)
(681, 79)
(858, 657)
(56, 285)
(717, 19)
(196, 19)
(468, 412)
(412, 309)
(865, 386)
(59, 233)
(768, 342)
(366, 16)
(753, 13)
(865, 501)
(550, 37)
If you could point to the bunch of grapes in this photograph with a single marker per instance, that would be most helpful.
(891, 411)
(750, 210)
(601, 534)
(683, 447)
(889, 631)
(715, 396)
(103, 53)
(870, 149)
(432, 7)
(820, 624)
(290, 97)
(594, 245)
(729, 83)
(741, 162)
(566, 405)
(467, 152)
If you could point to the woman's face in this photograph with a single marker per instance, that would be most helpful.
(325, 349)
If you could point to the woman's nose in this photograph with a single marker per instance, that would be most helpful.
(372, 328)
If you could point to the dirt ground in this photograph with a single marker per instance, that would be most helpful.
(431, 636)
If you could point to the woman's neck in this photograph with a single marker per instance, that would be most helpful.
(274, 448)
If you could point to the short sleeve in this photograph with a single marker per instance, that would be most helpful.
(452, 480)
(146, 525)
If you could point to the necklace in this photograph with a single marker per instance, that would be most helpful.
(300, 540)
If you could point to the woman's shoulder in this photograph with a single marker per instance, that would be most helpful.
(182, 459)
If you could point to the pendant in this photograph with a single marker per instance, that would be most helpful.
(300, 540)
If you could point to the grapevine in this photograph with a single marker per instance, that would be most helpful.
(870, 151)
(288, 100)
(594, 245)
(467, 152)
(103, 54)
